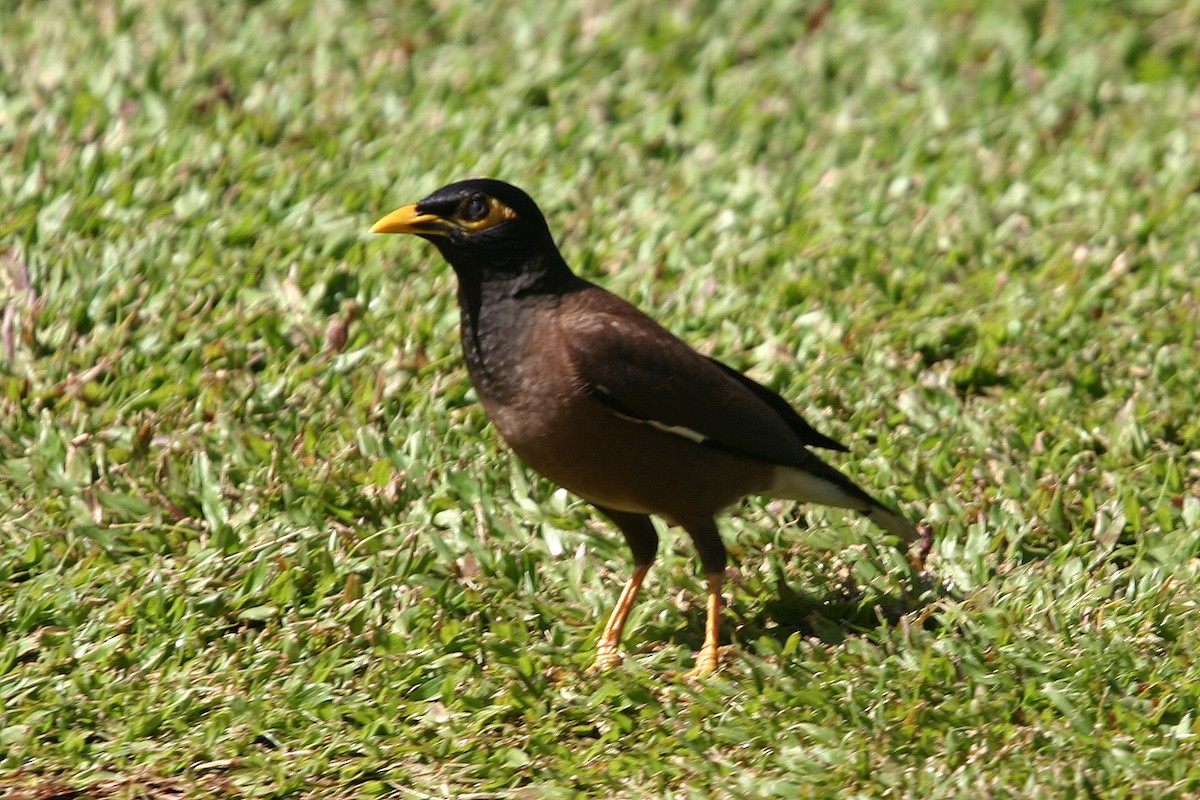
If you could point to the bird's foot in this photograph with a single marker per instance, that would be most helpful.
(607, 657)
(706, 664)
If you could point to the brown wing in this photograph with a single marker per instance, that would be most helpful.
(642, 372)
(807, 433)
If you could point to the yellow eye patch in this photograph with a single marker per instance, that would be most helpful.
(479, 212)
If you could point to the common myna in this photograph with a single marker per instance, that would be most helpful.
(597, 397)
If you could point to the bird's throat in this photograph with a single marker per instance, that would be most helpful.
(497, 328)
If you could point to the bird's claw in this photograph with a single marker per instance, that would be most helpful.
(706, 664)
(607, 657)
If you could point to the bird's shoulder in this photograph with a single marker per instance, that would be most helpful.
(606, 333)
(592, 315)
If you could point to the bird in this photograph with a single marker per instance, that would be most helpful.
(599, 398)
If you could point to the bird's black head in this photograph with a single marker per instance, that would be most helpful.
(485, 228)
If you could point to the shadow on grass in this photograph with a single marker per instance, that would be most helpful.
(831, 616)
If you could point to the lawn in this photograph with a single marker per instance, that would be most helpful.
(257, 538)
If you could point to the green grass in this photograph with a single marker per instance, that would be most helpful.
(240, 557)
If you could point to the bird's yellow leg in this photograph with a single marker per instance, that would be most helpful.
(707, 658)
(608, 649)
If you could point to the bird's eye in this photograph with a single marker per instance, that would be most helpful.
(475, 209)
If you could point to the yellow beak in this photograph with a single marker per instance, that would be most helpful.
(409, 220)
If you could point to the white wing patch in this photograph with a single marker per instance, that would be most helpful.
(678, 430)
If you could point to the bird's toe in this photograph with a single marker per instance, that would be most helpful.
(607, 658)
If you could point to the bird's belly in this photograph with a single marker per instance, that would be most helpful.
(624, 465)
